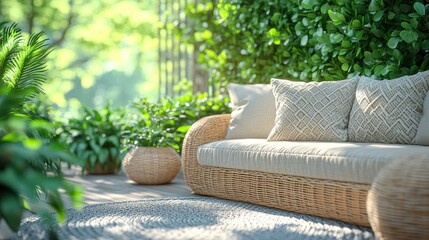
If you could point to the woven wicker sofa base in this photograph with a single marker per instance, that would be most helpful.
(329, 199)
(325, 198)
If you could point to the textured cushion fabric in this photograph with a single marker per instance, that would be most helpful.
(315, 111)
(340, 161)
(253, 111)
(422, 136)
(388, 111)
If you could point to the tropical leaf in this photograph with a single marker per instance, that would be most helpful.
(10, 39)
(26, 71)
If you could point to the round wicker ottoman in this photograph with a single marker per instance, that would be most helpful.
(152, 165)
(398, 201)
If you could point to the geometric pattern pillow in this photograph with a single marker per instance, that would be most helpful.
(314, 111)
(388, 111)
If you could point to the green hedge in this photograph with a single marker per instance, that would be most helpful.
(309, 40)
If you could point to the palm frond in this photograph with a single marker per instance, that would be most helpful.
(10, 40)
(28, 67)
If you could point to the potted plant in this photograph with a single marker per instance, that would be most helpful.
(152, 158)
(95, 137)
(155, 132)
(30, 157)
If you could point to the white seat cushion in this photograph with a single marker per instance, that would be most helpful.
(341, 161)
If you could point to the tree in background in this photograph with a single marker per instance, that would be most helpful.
(104, 50)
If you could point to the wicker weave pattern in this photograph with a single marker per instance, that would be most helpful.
(324, 198)
(398, 202)
(152, 165)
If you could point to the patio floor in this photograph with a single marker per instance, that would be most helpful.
(116, 188)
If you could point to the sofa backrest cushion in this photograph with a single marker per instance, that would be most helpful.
(388, 111)
(253, 111)
(314, 111)
(422, 137)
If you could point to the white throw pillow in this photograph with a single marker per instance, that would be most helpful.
(253, 111)
(388, 111)
(314, 111)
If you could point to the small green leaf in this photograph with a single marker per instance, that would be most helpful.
(381, 70)
(304, 40)
(393, 42)
(356, 24)
(409, 36)
(414, 23)
(377, 17)
(346, 44)
(336, 38)
(325, 8)
(337, 18)
(375, 5)
(359, 35)
(308, 4)
(273, 33)
(420, 8)
(342, 59)
(357, 68)
(367, 54)
(397, 54)
(406, 26)
(345, 67)
(183, 129)
(276, 16)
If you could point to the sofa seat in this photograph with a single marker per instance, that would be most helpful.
(339, 161)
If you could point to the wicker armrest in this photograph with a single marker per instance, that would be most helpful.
(205, 130)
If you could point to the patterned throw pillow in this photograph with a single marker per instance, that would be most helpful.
(388, 111)
(253, 111)
(315, 111)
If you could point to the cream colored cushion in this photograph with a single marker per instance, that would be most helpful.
(422, 136)
(388, 111)
(340, 161)
(316, 111)
(253, 111)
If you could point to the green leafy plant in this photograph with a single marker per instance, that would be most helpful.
(30, 160)
(165, 123)
(95, 137)
(308, 40)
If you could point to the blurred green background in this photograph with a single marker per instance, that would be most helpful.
(105, 50)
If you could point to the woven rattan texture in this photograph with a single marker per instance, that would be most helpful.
(152, 165)
(324, 198)
(398, 202)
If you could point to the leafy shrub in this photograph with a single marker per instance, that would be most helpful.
(166, 123)
(309, 40)
(95, 137)
(30, 160)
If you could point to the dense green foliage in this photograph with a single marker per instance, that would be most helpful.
(166, 123)
(95, 137)
(106, 135)
(309, 40)
(30, 157)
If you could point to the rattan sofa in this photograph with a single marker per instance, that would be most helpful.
(343, 201)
